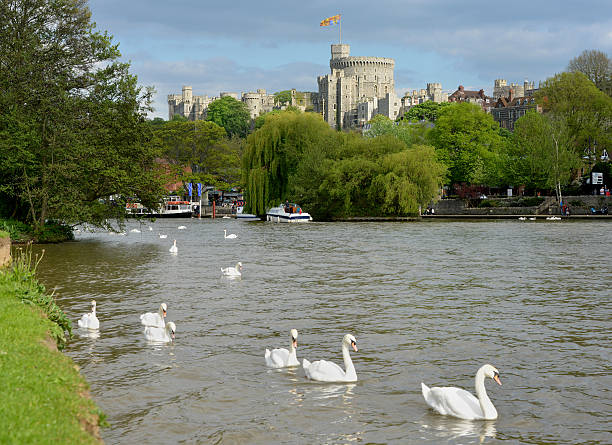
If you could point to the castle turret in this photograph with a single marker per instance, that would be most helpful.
(340, 51)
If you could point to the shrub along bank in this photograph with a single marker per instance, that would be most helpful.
(44, 397)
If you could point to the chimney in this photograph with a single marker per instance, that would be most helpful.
(511, 95)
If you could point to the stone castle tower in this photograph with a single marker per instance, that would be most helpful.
(353, 80)
(502, 89)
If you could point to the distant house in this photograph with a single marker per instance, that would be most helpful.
(508, 110)
(474, 97)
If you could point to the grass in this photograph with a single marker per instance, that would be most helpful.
(43, 391)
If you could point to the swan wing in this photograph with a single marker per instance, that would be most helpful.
(278, 358)
(94, 323)
(453, 401)
(84, 321)
(152, 319)
(153, 333)
(324, 371)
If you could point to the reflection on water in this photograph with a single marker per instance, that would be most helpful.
(429, 301)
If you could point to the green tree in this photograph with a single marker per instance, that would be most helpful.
(408, 132)
(542, 153)
(597, 66)
(231, 114)
(72, 119)
(273, 152)
(282, 97)
(586, 110)
(428, 111)
(467, 141)
(203, 148)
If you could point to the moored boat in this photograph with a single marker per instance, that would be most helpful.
(245, 216)
(172, 207)
(288, 213)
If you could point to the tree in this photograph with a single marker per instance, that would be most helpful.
(230, 114)
(203, 148)
(467, 141)
(597, 66)
(586, 110)
(282, 97)
(408, 132)
(72, 119)
(542, 155)
(428, 111)
(273, 152)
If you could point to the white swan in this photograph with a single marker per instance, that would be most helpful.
(232, 271)
(522, 218)
(163, 236)
(325, 371)
(532, 218)
(460, 403)
(135, 231)
(150, 229)
(155, 319)
(165, 334)
(280, 357)
(230, 236)
(174, 249)
(182, 227)
(90, 321)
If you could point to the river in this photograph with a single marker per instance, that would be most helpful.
(427, 301)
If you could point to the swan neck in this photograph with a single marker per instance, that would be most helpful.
(488, 410)
(348, 363)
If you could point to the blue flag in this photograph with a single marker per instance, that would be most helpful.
(190, 188)
(199, 189)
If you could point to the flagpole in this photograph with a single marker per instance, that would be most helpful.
(340, 30)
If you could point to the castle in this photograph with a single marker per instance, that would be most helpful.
(356, 88)
(502, 89)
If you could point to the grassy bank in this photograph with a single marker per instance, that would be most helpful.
(44, 395)
(52, 232)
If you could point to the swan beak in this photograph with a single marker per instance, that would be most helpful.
(164, 313)
(294, 343)
(354, 345)
(496, 378)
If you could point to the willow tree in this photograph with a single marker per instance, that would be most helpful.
(273, 153)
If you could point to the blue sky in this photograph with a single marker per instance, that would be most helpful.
(242, 45)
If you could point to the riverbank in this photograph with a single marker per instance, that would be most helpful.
(51, 232)
(45, 398)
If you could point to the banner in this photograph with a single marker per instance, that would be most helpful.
(199, 189)
(189, 189)
(333, 20)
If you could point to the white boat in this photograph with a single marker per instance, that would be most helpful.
(245, 216)
(288, 213)
(172, 207)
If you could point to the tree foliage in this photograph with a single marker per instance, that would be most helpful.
(597, 66)
(408, 132)
(231, 114)
(282, 97)
(202, 148)
(72, 118)
(427, 111)
(542, 154)
(586, 110)
(272, 154)
(467, 141)
(297, 156)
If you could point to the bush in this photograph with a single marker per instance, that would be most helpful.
(18, 231)
(532, 201)
(54, 232)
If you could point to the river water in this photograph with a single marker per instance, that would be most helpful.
(428, 301)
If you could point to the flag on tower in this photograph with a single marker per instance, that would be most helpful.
(333, 20)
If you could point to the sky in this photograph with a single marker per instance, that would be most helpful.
(243, 45)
